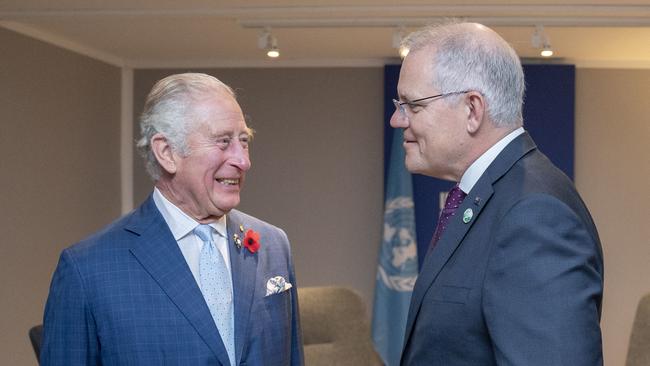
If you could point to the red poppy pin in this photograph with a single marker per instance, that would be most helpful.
(252, 241)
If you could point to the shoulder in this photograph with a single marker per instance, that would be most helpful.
(108, 239)
(535, 187)
(537, 175)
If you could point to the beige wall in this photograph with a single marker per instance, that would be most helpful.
(59, 151)
(317, 164)
(613, 176)
(317, 172)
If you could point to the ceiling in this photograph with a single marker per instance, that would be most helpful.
(212, 33)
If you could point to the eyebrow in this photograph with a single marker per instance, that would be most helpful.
(405, 97)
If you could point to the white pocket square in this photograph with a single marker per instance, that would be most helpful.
(277, 284)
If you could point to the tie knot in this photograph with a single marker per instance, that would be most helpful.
(455, 198)
(204, 232)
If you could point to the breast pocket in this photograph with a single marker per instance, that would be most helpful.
(278, 307)
(451, 294)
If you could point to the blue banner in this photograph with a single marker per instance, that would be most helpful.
(398, 259)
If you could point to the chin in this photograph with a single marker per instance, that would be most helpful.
(412, 167)
(226, 208)
(422, 170)
(225, 205)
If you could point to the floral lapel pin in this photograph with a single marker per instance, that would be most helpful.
(251, 239)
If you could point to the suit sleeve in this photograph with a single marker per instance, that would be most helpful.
(69, 334)
(543, 287)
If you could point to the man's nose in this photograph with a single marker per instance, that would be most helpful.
(240, 158)
(397, 120)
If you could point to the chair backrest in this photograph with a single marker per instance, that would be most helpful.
(638, 353)
(335, 327)
(36, 335)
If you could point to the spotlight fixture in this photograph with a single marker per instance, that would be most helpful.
(274, 51)
(546, 51)
(541, 41)
(398, 37)
(267, 41)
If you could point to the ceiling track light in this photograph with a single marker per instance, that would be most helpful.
(547, 51)
(267, 41)
(541, 41)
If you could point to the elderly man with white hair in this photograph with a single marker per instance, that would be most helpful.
(185, 279)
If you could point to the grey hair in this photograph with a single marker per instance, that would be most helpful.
(168, 111)
(464, 59)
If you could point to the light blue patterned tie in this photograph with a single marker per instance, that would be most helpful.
(216, 286)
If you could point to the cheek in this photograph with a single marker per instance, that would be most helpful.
(211, 165)
(422, 128)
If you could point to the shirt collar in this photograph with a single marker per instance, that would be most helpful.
(178, 221)
(480, 165)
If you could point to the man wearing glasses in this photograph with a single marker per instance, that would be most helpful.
(514, 274)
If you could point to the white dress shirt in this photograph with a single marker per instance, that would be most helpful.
(480, 165)
(182, 226)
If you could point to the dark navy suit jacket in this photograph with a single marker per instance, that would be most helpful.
(521, 283)
(126, 296)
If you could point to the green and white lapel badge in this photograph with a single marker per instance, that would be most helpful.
(467, 215)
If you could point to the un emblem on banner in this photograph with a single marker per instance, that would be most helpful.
(398, 259)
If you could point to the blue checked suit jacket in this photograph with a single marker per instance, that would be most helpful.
(521, 283)
(126, 296)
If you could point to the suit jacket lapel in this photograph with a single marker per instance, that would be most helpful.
(244, 270)
(449, 241)
(457, 229)
(158, 252)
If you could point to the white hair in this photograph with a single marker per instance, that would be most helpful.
(168, 110)
(470, 56)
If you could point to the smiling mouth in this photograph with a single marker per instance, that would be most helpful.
(228, 181)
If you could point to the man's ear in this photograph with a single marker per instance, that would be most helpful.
(164, 153)
(475, 107)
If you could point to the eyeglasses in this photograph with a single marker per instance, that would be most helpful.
(411, 103)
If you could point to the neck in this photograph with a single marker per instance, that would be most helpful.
(177, 199)
(481, 142)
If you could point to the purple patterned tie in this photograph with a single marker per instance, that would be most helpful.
(454, 199)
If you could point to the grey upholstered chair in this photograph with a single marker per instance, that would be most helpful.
(638, 353)
(36, 335)
(335, 327)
